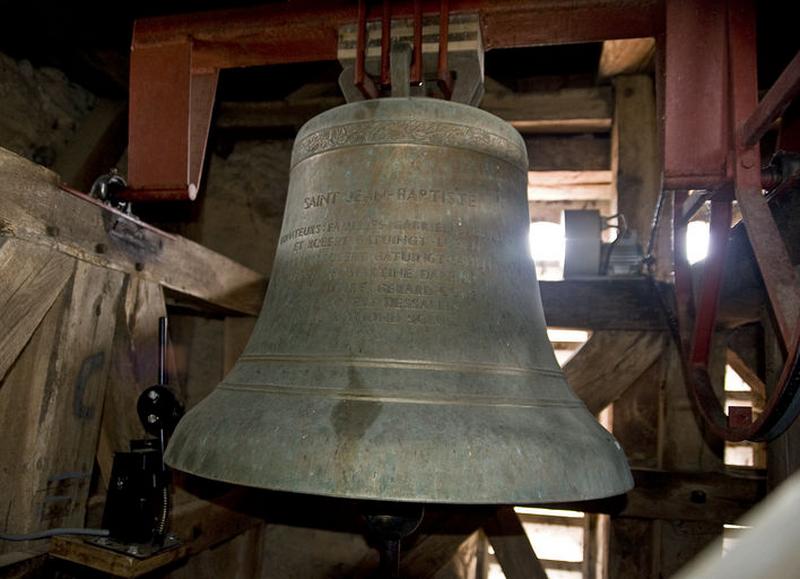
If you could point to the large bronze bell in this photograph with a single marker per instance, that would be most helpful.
(401, 352)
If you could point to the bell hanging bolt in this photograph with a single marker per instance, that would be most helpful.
(152, 418)
(152, 395)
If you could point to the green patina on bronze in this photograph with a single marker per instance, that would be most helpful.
(401, 352)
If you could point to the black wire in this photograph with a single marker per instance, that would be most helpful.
(47, 533)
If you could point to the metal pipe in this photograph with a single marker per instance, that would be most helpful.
(162, 350)
(386, 45)
(361, 80)
(444, 78)
(416, 63)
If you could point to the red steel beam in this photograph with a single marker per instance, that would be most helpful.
(305, 31)
(769, 249)
(170, 115)
(779, 96)
(175, 62)
(697, 131)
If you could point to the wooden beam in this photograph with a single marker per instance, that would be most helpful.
(582, 152)
(610, 362)
(51, 403)
(626, 56)
(718, 497)
(578, 110)
(440, 537)
(635, 422)
(511, 545)
(134, 367)
(711, 497)
(34, 208)
(605, 303)
(635, 154)
(570, 185)
(255, 117)
(688, 446)
(22, 564)
(31, 278)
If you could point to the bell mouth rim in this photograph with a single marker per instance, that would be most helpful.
(574, 503)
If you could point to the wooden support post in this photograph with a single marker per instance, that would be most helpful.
(134, 367)
(31, 279)
(635, 154)
(51, 402)
(512, 547)
(636, 420)
(440, 538)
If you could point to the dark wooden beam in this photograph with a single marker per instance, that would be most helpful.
(574, 111)
(603, 303)
(583, 152)
(711, 497)
(35, 209)
(439, 538)
(610, 362)
(511, 545)
(635, 157)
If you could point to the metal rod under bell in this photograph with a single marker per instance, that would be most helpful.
(162, 350)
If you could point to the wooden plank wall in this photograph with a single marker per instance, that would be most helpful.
(79, 310)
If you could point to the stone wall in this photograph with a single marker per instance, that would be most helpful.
(40, 110)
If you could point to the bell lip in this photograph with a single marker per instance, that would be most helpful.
(419, 109)
(573, 502)
(629, 485)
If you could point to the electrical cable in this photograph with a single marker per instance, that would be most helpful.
(47, 533)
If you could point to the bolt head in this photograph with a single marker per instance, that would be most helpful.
(152, 395)
(152, 418)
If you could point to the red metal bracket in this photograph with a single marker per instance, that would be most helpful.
(741, 173)
(170, 116)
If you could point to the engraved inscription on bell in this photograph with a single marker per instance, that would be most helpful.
(401, 353)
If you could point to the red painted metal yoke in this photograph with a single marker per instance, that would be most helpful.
(175, 62)
(713, 126)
